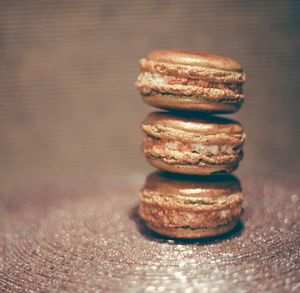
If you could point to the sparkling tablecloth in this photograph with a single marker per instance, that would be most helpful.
(85, 234)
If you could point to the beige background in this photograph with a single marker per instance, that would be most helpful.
(68, 104)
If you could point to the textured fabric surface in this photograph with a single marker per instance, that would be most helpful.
(85, 234)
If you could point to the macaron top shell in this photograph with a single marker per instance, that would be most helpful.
(161, 122)
(192, 186)
(194, 194)
(195, 59)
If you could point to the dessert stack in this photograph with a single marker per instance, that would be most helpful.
(193, 195)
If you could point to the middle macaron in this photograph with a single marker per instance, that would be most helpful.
(191, 144)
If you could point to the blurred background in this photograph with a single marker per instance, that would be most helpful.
(68, 105)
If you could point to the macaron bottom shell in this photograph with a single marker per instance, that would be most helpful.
(191, 233)
(191, 103)
(205, 169)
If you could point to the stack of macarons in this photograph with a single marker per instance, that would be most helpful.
(194, 195)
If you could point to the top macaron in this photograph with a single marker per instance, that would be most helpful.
(185, 80)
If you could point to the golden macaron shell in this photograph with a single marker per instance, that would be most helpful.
(192, 144)
(191, 81)
(183, 206)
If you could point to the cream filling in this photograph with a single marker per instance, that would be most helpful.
(153, 78)
(174, 152)
(149, 82)
(199, 147)
(160, 80)
(225, 213)
(189, 219)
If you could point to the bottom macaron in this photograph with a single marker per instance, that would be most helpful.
(185, 206)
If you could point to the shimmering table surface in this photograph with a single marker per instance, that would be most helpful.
(85, 234)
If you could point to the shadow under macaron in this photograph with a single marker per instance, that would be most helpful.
(153, 236)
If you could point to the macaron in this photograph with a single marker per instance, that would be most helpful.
(186, 206)
(192, 144)
(185, 80)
